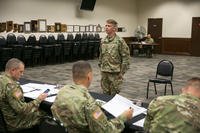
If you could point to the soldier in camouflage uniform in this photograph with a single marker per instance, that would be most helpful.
(149, 39)
(17, 113)
(78, 111)
(114, 59)
(176, 114)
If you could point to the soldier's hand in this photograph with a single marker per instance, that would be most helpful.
(128, 113)
(42, 96)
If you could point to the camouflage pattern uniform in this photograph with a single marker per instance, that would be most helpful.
(17, 113)
(80, 113)
(173, 114)
(114, 61)
(149, 40)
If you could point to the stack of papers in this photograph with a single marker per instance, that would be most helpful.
(139, 123)
(118, 104)
(33, 90)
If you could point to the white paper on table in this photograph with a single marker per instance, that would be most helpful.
(50, 99)
(143, 42)
(33, 90)
(118, 104)
(139, 123)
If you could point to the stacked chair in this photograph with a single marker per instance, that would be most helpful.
(91, 45)
(5, 53)
(47, 50)
(60, 40)
(12, 43)
(57, 48)
(76, 47)
(97, 41)
(27, 50)
(36, 50)
(68, 47)
(84, 46)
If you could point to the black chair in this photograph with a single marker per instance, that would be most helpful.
(91, 45)
(164, 75)
(17, 49)
(84, 46)
(60, 40)
(51, 125)
(97, 41)
(3, 128)
(47, 50)
(67, 46)
(36, 50)
(5, 53)
(76, 47)
(27, 50)
(57, 49)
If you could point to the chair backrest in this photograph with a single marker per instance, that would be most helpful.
(91, 36)
(21, 40)
(43, 40)
(70, 37)
(52, 125)
(51, 39)
(165, 68)
(77, 37)
(11, 39)
(84, 37)
(32, 40)
(60, 38)
(2, 41)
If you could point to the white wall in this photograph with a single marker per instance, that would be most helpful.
(67, 11)
(177, 15)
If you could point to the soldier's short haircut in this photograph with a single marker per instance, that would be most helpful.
(13, 63)
(112, 21)
(80, 70)
(194, 82)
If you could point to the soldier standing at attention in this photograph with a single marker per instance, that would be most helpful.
(17, 113)
(176, 114)
(114, 59)
(78, 111)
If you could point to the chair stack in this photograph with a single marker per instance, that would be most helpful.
(5, 53)
(48, 50)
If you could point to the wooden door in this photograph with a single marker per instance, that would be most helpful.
(155, 29)
(195, 37)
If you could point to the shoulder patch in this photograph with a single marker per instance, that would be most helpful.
(17, 94)
(97, 114)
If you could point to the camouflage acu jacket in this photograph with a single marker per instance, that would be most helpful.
(173, 114)
(17, 113)
(114, 55)
(79, 112)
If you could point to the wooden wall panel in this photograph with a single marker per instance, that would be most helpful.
(179, 46)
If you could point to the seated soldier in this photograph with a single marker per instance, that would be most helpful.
(17, 113)
(176, 114)
(78, 111)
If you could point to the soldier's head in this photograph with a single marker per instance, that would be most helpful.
(111, 27)
(148, 35)
(82, 73)
(192, 87)
(15, 68)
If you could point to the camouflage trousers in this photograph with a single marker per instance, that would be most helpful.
(26, 121)
(110, 82)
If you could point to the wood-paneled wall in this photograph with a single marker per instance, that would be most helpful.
(179, 46)
(169, 45)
